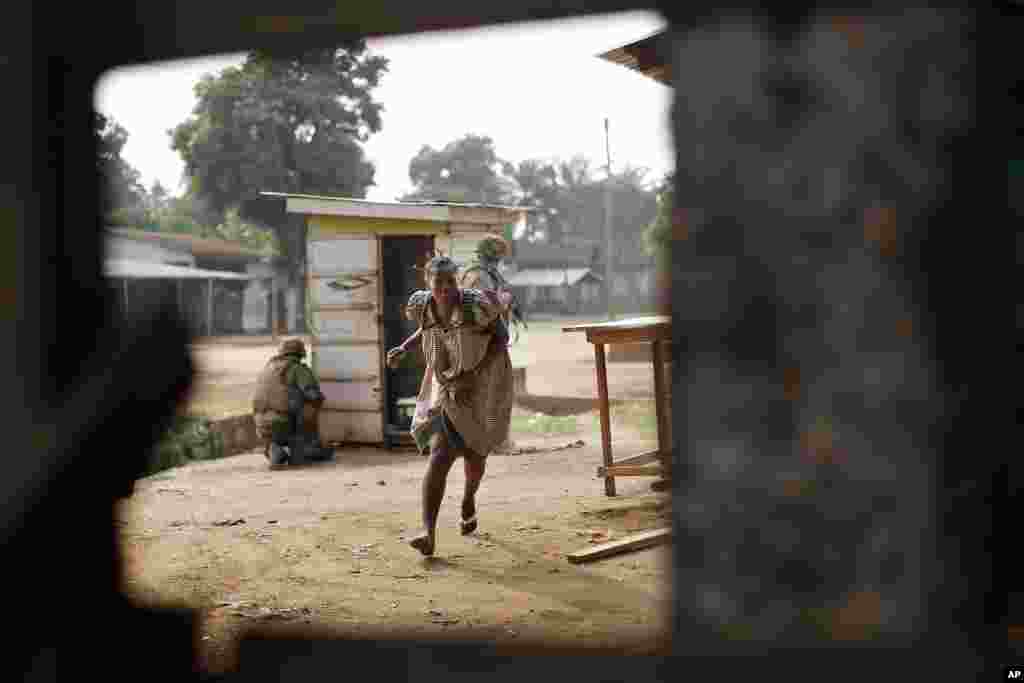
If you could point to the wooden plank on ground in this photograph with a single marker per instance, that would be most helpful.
(645, 539)
(631, 471)
(642, 459)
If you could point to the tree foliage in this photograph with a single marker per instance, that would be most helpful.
(467, 170)
(234, 229)
(157, 197)
(561, 192)
(570, 202)
(187, 215)
(657, 236)
(567, 196)
(282, 122)
(121, 188)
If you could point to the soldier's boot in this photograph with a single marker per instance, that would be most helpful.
(298, 450)
(277, 455)
(316, 451)
(324, 452)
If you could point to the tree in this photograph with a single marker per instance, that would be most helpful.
(235, 229)
(635, 205)
(539, 189)
(467, 170)
(137, 217)
(570, 203)
(561, 194)
(122, 189)
(582, 200)
(658, 234)
(157, 197)
(282, 122)
(187, 215)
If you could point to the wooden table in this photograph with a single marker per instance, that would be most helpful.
(654, 330)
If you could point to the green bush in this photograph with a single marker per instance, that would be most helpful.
(657, 237)
(189, 438)
(165, 456)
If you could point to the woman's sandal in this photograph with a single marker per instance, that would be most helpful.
(468, 526)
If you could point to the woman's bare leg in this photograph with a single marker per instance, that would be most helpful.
(441, 459)
(475, 465)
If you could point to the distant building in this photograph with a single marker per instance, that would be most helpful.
(223, 288)
(568, 291)
(632, 285)
(556, 280)
(633, 278)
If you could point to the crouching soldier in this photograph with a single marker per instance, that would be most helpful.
(285, 408)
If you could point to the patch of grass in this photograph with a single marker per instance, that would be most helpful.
(539, 423)
(637, 415)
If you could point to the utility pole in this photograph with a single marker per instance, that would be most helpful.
(608, 254)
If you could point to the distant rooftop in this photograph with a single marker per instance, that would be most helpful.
(197, 246)
(424, 211)
(551, 277)
(368, 202)
(647, 56)
(130, 269)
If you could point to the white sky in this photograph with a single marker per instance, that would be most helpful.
(537, 89)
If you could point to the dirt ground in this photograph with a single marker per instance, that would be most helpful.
(325, 545)
(558, 364)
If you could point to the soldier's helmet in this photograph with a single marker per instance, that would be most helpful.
(492, 247)
(293, 347)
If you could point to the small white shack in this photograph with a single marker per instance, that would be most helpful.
(361, 262)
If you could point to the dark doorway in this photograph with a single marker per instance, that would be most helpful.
(401, 257)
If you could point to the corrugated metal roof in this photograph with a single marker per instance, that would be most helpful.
(438, 212)
(646, 56)
(198, 246)
(353, 200)
(536, 277)
(150, 270)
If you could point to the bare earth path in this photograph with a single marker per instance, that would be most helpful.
(324, 544)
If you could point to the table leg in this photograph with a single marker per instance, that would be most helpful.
(606, 418)
(660, 407)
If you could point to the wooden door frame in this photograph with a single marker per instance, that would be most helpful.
(385, 381)
(385, 384)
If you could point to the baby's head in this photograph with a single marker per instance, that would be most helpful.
(492, 248)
